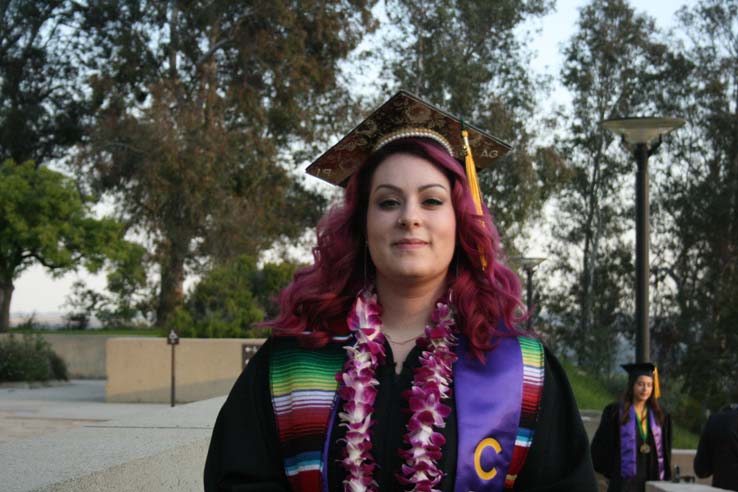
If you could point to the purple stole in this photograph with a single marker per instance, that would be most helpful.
(497, 405)
(629, 449)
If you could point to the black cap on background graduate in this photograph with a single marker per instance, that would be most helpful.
(644, 369)
(405, 115)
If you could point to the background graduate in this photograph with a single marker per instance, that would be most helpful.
(633, 441)
(717, 453)
(395, 363)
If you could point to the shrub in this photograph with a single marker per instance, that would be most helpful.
(29, 359)
(58, 366)
(231, 299)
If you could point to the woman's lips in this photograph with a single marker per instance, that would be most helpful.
(410, 243)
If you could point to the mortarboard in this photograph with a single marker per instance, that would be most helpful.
(644, 369)
(404, 115)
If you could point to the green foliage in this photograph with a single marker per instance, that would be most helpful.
(41, 103)
(589, 392)
(29, 359)
(195, 104)
(124, 303)
(610, 70)
(468, 57)
(268, 282)
(683, 438)
(45, 220)
(697, 205)
(231, 298)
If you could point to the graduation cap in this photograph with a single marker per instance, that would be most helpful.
(405, 115)
(644, 369)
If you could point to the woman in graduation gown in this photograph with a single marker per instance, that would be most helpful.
(632, 444)
(396, 363)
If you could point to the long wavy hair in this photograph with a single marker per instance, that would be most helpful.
(652, 404)
(488, 303)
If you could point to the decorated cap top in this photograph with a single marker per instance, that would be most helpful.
(404, 115)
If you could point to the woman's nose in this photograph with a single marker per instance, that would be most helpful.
(409, 216)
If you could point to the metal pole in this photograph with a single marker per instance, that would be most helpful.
(173, 385)
(643, 350)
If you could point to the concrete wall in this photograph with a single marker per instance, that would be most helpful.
(83, 354)
(139, 369)
(155, 451)
(684, 458)
(680, 487)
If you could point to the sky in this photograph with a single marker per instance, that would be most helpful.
(37, 292)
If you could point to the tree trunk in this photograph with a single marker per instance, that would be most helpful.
(171, 290)
(6, 294)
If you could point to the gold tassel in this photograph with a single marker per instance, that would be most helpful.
(656, 386)
(471, 175)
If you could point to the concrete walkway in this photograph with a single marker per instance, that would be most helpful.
(87, 444)
(67, 439)
(39, 410)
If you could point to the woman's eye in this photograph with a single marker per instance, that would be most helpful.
(433, 201)
(388, 203)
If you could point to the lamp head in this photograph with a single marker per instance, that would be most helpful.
(642, 130)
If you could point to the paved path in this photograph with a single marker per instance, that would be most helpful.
(27, 412)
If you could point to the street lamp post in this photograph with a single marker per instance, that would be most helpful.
(529, 265)
(642, 136)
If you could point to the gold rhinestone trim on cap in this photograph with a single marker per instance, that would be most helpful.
(413, 132)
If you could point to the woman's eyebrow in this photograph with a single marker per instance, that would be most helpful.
(420, 188)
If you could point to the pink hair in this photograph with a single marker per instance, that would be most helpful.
(316, 303)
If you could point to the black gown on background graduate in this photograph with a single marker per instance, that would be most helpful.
(606, 452)
(244, 451)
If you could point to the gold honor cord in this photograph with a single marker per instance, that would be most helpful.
(471, 175)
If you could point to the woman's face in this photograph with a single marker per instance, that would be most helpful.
(411, 226)
(642, 388)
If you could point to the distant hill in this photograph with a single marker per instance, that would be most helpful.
(50, 320)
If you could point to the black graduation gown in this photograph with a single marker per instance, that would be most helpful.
(244, 452)
(606, 452)
(717, 453)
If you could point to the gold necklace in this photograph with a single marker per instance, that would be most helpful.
(411, 339)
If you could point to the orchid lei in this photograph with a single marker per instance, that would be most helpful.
(431, 384)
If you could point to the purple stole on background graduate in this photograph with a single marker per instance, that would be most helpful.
(629, 449)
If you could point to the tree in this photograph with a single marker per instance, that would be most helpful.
(41, 106)
(466, 57)
(126, 301)
(697, 202)
(610, 66)
(44, 220)
(232, 297)
(267, 284)
(197, 109)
